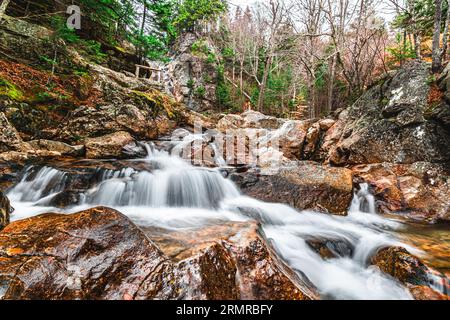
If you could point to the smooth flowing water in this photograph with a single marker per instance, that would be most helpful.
(176, 195)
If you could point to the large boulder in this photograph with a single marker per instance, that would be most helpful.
(249, 119)
(57, 146)
(230, 122)
(87, 122)
(257, 120)
(231, 261)
(409, 270)
(5, 210)
(306, 185)
(291, 138)
(95, 254)
(390, 123)
(108, 146)
(100, 254)
(419, 191)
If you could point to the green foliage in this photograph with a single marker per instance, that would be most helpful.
(200, 92)
(190, 84)
(47, 61)
(223, 94)
(190, 12)
(94, 50)
(321, 73)
(211, 58)
(228, 53)
(431, 79)
(62, 32)
(152, 46)
(403, 50)
(418, 17)
(10, 90)
(200, 47)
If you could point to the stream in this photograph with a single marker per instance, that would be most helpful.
(175, 195)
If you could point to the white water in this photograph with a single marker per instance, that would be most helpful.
(179, 196)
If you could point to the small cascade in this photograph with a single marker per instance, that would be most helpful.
(363, 200)
(38, 185)
(173, 183)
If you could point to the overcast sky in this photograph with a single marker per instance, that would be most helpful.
(384, 11)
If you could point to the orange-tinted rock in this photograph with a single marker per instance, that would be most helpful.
(5, 210)
(228, 261)
(400, 264)
(100, 254)
(409, 270)
(426, 293)
(94, 254)
(420, 190)
(109, 146)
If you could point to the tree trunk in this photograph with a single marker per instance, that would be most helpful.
(331, 84)
(446, 34)
(436, 55)
(418, 45)
(262, 87)
(3, 7)
(144, 18)
(241, 76)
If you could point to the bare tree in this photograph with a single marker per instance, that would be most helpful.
(446, 34)
(436, 54)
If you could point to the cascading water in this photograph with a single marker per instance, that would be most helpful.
(176, 195)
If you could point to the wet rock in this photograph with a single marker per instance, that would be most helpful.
(5, 210)
(419, 191)
(306, 185)
(179, 134)
(56, 146)
(134, 150)
(9, 175)
(94, 254)
(402, 265)
(230, 261)
(426, 293)
(249, 119)
(409, 270)
(194, 119)
(100, 254)
(108, 146)
(389, 123)
(14, 157)
(331, 248)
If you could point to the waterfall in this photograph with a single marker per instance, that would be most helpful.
(363, 200)
(173, 183)
(176, 195)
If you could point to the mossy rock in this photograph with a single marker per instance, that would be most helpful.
(9, 90)
(158, 103)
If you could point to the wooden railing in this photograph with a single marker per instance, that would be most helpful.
(153, 74)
